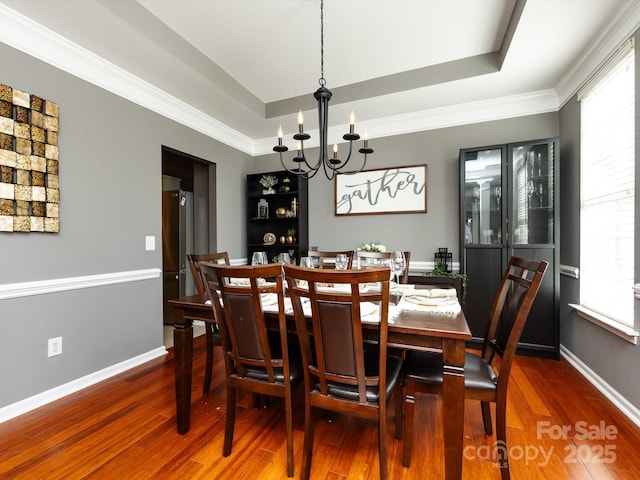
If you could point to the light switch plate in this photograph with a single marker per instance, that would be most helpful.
(150, 242)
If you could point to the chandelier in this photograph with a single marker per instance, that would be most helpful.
(329, 164)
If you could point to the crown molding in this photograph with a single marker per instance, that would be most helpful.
(22, 33)
(621, 28)
(533, 103)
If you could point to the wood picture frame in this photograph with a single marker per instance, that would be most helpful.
(382, 190)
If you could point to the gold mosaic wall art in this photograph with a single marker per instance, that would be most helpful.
(29, 187)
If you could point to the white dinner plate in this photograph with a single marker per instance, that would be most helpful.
(430, 301)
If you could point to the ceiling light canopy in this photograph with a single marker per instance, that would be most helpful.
(329, 164)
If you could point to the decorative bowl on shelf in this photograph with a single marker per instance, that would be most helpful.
(269, 238)
(281, 212)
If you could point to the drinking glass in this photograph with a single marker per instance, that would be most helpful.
(398, 264)
(341, 261)
(259, 258)
(306, 262)
(285, 258)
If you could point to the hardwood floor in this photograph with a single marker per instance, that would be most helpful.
(124, 428)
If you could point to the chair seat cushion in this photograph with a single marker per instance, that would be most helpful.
(350, 392)
(426, 367)
(295, 369)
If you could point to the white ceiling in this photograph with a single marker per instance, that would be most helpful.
(273, 47)
(249, 64)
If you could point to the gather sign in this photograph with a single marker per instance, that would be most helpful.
(383, 190)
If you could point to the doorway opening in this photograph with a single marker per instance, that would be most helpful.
(188, 220)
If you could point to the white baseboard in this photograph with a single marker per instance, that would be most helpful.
(31, 403)
(626, 407)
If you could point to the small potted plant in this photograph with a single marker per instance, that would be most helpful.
(291, 236)
(268, 182)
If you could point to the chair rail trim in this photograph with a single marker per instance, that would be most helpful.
(40, 287)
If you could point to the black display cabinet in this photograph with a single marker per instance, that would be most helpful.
(509, 206)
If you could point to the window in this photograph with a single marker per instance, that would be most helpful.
(607, 190)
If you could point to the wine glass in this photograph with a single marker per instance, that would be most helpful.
(259, 258)
(398, 264)
(306, 262)
(341, 261)
(284, 258)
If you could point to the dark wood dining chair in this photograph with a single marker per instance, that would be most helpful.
(326, 259)
(340, 375)
(254, 360)
(211, 329)
(486, 374)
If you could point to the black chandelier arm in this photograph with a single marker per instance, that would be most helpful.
(310, 173)
(330, 165)
(344, 164)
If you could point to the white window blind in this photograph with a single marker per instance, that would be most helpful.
(607, 189)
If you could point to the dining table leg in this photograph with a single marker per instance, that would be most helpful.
(453, 407)
(183, 359)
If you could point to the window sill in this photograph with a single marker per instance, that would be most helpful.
(622, 331)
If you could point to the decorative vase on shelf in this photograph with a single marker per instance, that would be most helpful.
(268, 191)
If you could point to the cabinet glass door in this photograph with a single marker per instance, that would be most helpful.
(533, 202)
(482, 196)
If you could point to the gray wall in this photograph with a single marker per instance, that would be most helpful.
(421, 233)
(110, 182)
(615, 360)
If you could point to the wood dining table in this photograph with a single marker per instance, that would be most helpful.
(410, 330)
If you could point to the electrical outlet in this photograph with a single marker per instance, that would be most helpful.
(55, 346)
